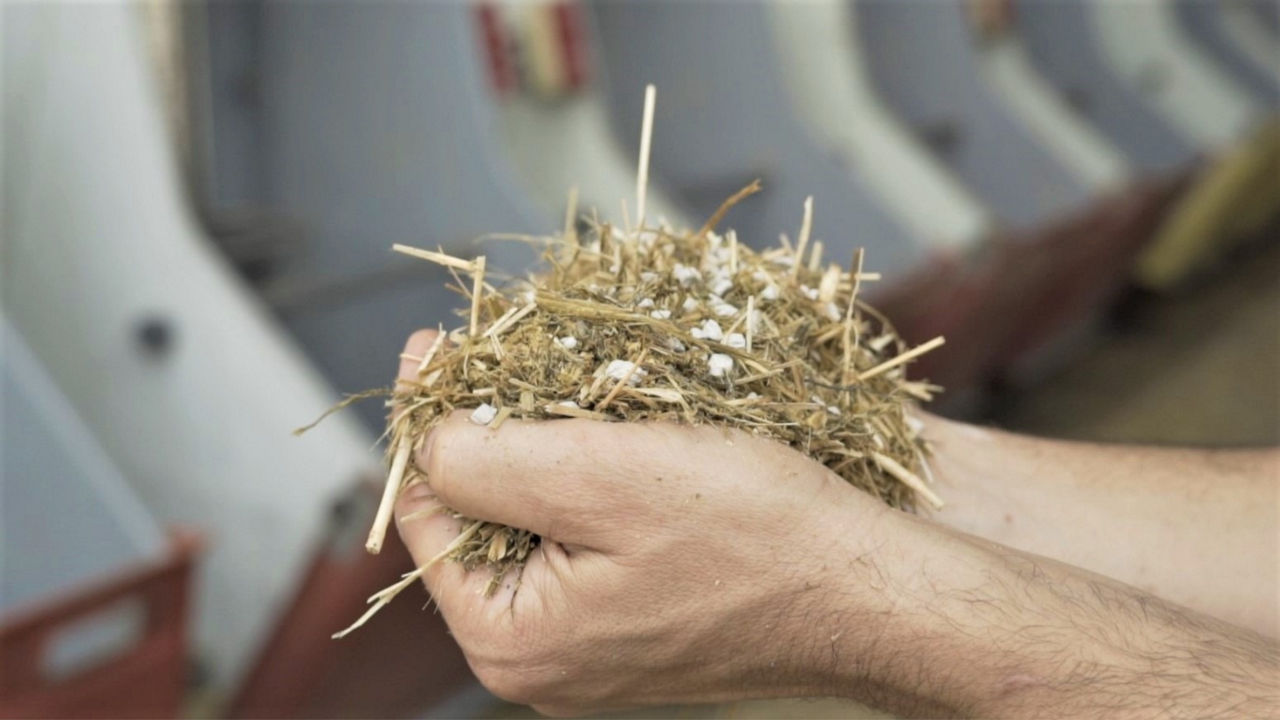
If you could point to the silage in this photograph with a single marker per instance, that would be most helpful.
(646, 323)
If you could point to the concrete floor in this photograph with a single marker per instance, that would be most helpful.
(1201, 368)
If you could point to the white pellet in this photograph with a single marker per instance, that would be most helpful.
(724, 309)
(711, 331)
(735, 340)
(568, 342)
(660, 314)
(770, 292)
(645, 303)
(619, 369)
(719, 364)
(685, 274)
(484, 414)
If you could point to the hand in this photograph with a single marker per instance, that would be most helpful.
(678, 564)
(698, 564)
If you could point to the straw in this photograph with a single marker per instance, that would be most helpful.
(639, 324)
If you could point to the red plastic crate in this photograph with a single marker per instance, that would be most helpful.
(400, 663)
(143, 676)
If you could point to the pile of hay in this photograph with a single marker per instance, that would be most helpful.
(648, 324)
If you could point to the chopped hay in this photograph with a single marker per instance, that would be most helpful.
(648, 324)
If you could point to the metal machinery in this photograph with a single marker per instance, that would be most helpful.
(174, 366)
(1073, 142)
(1069, 244)
(833, 96)
(368, 125)
(725, 119)
(1062, 45)
(1153, 56)
(1141, 97)
(93, 595)
(1265, 15)
(545, 70)
(1234, 37)
(730, 111)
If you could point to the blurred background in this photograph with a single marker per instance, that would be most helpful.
(199, 199)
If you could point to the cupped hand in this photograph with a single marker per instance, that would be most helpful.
(677, 564)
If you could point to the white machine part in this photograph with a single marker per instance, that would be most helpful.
(1150, 51)
(1077, 145)
(557, 135)
(1242, 24)
(567, 145)
(836, 99)
(1060, 41)
(52, 468)
(188, 385)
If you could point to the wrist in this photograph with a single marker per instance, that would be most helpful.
(917, 633)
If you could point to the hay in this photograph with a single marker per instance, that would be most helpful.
(647, 324)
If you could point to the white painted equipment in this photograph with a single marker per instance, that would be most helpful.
(834, 96)
(1152, 54)
(1075, 143)
(1062, 44)
(554, 122)
(173, 365)
(1237, 40)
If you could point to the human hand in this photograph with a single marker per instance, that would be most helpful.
(678, 564)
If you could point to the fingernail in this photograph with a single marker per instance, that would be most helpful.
(418, 492)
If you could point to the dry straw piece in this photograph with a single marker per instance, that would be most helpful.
(647, 324)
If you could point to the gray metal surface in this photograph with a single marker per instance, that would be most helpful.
(923, 60)
(99, 246)
(67, 517)
(1203, 22)
(723, 118)
(1268, 13)
(370, 124)
(1060, 41)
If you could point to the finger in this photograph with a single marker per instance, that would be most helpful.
(427, 528)
(418, 344)
(563, 479)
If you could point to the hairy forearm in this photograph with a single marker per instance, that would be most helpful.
(969, 627)
(1198, 527)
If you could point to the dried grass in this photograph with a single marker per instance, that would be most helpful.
(649, 324)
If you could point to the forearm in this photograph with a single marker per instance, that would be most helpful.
(1197, 527)
(959, 625)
